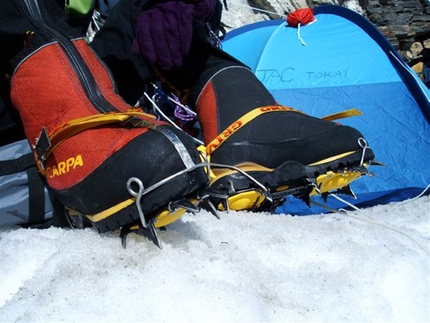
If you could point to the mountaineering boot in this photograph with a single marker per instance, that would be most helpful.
(107, 162)
(261, 152)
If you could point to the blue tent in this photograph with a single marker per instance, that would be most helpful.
(341, 61)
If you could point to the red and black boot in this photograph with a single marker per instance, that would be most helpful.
(107, 162)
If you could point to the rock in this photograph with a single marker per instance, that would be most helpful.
(403, 22)
(264, 5)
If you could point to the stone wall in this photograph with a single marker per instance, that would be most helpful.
(406, 23)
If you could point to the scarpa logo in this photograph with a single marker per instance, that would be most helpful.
(64, 167)
(223, 136)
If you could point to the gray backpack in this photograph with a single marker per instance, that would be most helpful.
(24, 199)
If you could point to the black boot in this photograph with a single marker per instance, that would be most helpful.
(276, 150)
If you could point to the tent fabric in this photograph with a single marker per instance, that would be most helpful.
(347, 63)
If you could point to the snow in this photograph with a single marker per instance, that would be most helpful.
(244, 267)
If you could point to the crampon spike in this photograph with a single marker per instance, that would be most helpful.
(224, 204)
(184, 204)
(324, 197)
(208, 205)
(148, 232)
(376, 163)
(207, 195)
(306, 199)
(346, 190)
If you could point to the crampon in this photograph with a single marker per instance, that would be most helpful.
(312, 169)
(253, 187)
(129, 217)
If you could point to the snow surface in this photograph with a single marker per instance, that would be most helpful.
(245, 267)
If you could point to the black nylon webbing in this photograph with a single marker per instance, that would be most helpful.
(36, 196)
(17, 165)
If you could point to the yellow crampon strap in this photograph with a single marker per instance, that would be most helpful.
(343, 114)
(246, 118)
(78, 125)
(251, 115)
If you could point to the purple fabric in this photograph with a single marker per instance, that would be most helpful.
(164, 32)
(203, 10)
